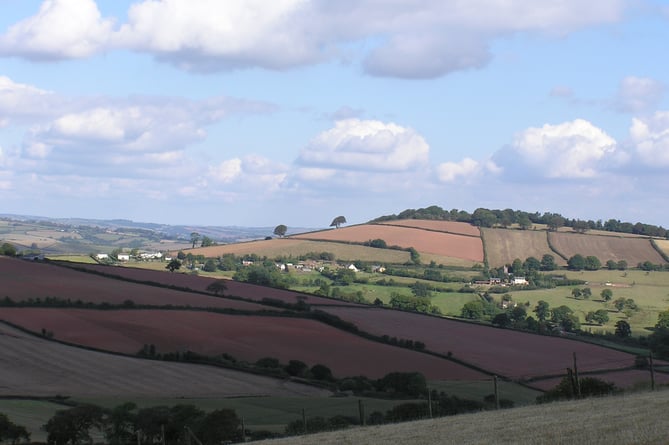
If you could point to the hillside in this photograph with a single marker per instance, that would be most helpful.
(634, 419)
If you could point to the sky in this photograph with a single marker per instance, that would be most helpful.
(259, 113)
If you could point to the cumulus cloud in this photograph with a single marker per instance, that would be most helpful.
(420, 39)
(62, 29)
(367, 145)
(453, 171)
(650, 137)
(252, 172)
(575, 149)
(20, 101)
(638, 94)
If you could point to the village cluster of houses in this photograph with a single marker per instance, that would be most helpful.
(146, 256)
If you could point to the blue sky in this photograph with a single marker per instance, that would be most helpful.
(293, 112)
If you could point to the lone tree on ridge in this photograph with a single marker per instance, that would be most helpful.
(338, 221)
(280, 230)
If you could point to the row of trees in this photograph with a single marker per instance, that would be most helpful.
(483, 217)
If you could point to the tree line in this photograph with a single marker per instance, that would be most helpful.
(483, 217)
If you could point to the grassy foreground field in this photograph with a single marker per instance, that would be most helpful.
(638, 419)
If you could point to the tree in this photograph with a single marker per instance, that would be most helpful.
(194, 238)
(73, 425)
(217, 287)
(280, 230)
(220, 426)
(7, 249)
(321, 372)
(296, 368)
(209, 265)
(623, 329)
(606, 294)
(12, 432)
(599, 316)
(120, 424)
(576, 293)
(206, 242)
(576, 262)
(338, 221)
(548, 262)
(542, 310)
(173, 265)
(592, 263)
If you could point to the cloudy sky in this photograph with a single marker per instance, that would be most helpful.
(258, 113)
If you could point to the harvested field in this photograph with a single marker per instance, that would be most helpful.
(505, 245)
(35, 367)
(22, 280)
(438, 243)
(508, 353)
(292, 246)
(632, 250)
(197, 283)
(247, 338)
(459, 228)
(663, 245)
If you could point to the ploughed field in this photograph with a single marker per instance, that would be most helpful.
(30, 366)
(513, 354)
(246, 338)
(435, 242)
(460, 228)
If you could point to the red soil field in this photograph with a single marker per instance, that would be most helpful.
(456, 227)
(247, 338)
(29, 279)
(438, 243)
(508, 353)
(35, 367)
(632, 250)
(197, 283)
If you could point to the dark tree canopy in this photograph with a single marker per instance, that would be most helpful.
(338, 221)
(280, 230)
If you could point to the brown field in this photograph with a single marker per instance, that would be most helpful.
(513, 354)
(438, 243)
(246, 338)
(292, 246)
(459, 228)
(632, 250)
(28, 279)
(505, 245)
(35, 367)
(197, 283)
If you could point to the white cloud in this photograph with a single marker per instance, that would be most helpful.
(367, 145)
(638, 94)
(226, 171)
(417, 39)
(452, 171)
(575, 149)
(62, 29)
(20, 101)
(650, 137)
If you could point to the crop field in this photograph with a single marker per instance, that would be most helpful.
(295, 246)
(508, 353)
(247, 338)
(432, 242)
(19, 283)
(632, 250)
(505, 245)
(32, 366)
(460, 228)
(663, 245)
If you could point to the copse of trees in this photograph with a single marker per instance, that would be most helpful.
(7, 249)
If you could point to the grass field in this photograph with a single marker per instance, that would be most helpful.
(635, 419)
(32, 414)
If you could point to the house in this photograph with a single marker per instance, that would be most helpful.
(102, 256)
(519, 281)
(123, 257)
(353, 268)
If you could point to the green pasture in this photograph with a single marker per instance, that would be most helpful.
(265, 413)
(32, 414)
(86, 259)
(477, 390)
